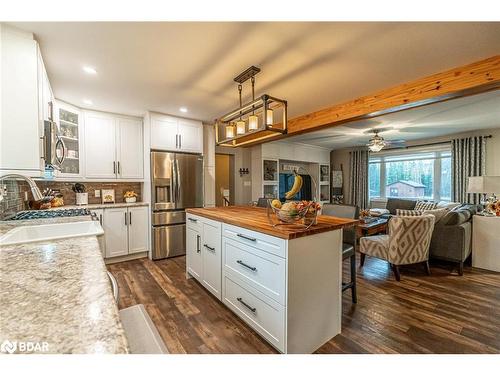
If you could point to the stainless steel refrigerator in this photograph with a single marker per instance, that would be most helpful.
(177, 184)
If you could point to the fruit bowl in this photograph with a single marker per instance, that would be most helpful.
(292, 212)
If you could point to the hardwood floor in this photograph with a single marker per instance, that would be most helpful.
(441, 313)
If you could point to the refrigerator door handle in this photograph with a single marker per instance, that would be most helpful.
(178, 179)
(174, 182)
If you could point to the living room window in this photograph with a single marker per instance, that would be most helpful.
(422, 173)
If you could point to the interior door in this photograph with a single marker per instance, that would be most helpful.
(129, 148)
(163, 180)
(100, 146)
(189, 180)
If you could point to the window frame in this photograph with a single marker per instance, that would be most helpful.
(439, 152)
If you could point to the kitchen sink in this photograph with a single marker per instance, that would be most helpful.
(35, 233)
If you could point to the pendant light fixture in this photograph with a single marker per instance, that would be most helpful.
(231, 129)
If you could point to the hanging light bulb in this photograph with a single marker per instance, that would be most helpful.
(253, 122)
(269, 117)
(240, 127)
(230, 131)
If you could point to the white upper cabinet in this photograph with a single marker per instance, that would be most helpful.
(100, 148)
(113, 146)
(190, 136)
(69, 123)
(20, 126)
(164, 133)
(170, 133)
(129, 148)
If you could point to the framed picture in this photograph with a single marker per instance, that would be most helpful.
(108, 196)
(337, 179)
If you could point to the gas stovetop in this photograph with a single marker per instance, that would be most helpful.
(48, 214)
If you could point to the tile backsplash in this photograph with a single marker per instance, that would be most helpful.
(17, 191)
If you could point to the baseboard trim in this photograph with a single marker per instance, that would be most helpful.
(124, 258)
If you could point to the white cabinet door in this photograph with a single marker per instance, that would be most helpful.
(138, 225)
(211, 249)
(193, 252)
(190, 136)
(130, 158)
(100, 150)
(99, 213)
(164, 133)
(19, 109)
(115, 231)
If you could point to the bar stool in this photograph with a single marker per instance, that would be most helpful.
(349, 241)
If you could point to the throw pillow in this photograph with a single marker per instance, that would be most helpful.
(423, 205)
(438, 213)
(400, 212)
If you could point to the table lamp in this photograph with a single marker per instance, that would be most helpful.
(485, 185)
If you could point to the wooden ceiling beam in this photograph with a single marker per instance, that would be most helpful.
(478, 77)
(475, 78)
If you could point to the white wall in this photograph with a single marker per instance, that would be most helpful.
(341, 157)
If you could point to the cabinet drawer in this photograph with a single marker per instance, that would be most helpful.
(194, 222)
(260, 312)
(263, 271)
(264, 242)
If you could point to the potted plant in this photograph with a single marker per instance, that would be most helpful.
(130, 196)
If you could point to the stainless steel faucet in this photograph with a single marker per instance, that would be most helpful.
(37, 194)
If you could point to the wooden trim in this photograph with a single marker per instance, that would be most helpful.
(475, 78)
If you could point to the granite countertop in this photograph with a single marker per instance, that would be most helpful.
(57, 294)
(255, 218)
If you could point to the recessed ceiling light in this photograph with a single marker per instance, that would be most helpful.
(87, 101)
(89, 70)
(183, 109)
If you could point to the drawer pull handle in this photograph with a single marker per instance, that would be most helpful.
(246, 265)
(192, 220)
(252, 309)
(246, 237)
(210, 248)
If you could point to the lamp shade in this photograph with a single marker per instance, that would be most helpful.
(484, 184)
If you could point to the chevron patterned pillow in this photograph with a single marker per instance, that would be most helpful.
(423, 205)
(400, 212)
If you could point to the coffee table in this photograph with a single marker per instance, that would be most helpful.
(369, 229)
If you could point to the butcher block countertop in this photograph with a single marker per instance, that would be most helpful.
(255, 218)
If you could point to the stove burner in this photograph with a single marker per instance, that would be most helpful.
(48, 214)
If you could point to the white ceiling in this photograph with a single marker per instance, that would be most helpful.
(454, 116)
(163, 66)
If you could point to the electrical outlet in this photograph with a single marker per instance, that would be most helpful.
(97, 193)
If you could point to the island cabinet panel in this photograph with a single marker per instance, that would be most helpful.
(261, 270)
(193, 252)
(211, 257)
(203, 253)
(270, 244)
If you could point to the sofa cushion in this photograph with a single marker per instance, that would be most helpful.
(438, 213)
(448, 205)
(425, 205)
(405, 204)
(400, 212)
(457, 217)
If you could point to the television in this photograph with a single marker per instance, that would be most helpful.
(286, 183)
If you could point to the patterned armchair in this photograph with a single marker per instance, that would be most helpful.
(408, 242)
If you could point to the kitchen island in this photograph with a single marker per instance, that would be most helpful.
(56, 295)
(285, 281)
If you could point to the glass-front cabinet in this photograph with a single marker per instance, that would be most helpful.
(69, 123)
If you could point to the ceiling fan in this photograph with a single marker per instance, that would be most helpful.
(377, 142)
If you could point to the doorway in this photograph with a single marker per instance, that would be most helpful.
(224, 180)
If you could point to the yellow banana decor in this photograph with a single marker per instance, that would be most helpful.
(297, 185)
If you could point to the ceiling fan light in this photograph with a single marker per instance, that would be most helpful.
(253, 122)
(240, 127)
(230, 131)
